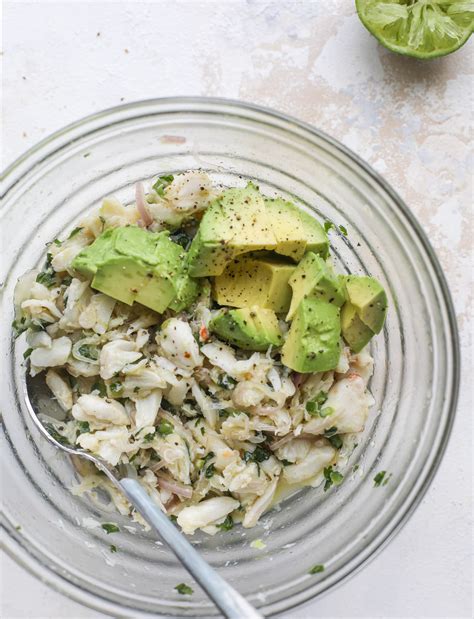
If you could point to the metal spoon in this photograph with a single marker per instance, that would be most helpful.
(226, 598)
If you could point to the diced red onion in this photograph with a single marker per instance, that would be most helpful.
(178, 489)
(145, 218)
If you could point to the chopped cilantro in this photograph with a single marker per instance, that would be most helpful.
(328, 225)
(184, 589)
(330, 432)
(83, 427)
(74, 232)
(88, 351)
(57, 242)
(227, 525)
(343, 229)
(100, 387)
(381, 480)
(316, 569)
(27, 353)
(210, 471)
(55, 434)
(259, 454)
(149, 437)
(173, 518)
(332, 477)
(164, 428)
(47, 278)
(110, 528)
(226, 382)
(19, 326)
(113, 548)
(116, 389)
(162, 183)
(180, 238)
(286, 462)
(336, 441)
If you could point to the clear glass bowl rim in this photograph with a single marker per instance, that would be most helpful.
(55, 141)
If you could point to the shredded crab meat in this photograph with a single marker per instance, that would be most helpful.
(210, 431)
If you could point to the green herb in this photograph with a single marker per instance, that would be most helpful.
(184, 589)
(55, 434)
(113, 548)
(47, 277)
(203, 430)
(381, 480)
(173, 518)
(27, 353)
(57, 242)
(226, 381)
(166, 406)
(210, 471)
(88, 351)
(355, 468)
(336, 441)
(227, 525)
(313, 407)
(316, 569)
(66, 280)
(116, 389)
(100, 387)
(343, 229)
(162, 183)
(164, 428)
(328, 225)
(286, 462)
(330, 432)
(259, 454)
(332, 477)
(19, 326)
(149, 437)
(180, 238)
(83, 427)
(74, 232)
(110, 528)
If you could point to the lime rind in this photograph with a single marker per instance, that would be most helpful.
(419, 28)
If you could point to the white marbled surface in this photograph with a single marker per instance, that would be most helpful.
(312, 59)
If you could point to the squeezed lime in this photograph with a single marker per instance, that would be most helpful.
(419, 28)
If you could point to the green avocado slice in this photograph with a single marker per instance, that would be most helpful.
(253, 328)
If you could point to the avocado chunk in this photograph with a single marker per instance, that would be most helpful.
(354, 331)
(313, 341)
(85, 263)
(121, 278)
(253, 328)
(314, 278)
(369, 299)
(251, 280)
(233, 224)
(131, 264)
(295, 230)
(242, 221)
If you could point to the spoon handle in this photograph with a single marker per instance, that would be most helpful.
(230, 602)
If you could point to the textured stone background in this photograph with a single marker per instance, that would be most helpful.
(314, 60)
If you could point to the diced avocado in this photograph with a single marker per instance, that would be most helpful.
(251, 280)
(87, 260)
(137, 243)
(121, 278)
(314, 278)
(369, 299)
(233, 224)
(354, 331)
(253, 328)
(290, 236)
(295, 230)
(131, 264)
(157, 293)
(242, 221)
(313, 341)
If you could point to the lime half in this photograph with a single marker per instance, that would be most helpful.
(420, 28)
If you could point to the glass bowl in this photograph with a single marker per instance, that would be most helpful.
(51, 532)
